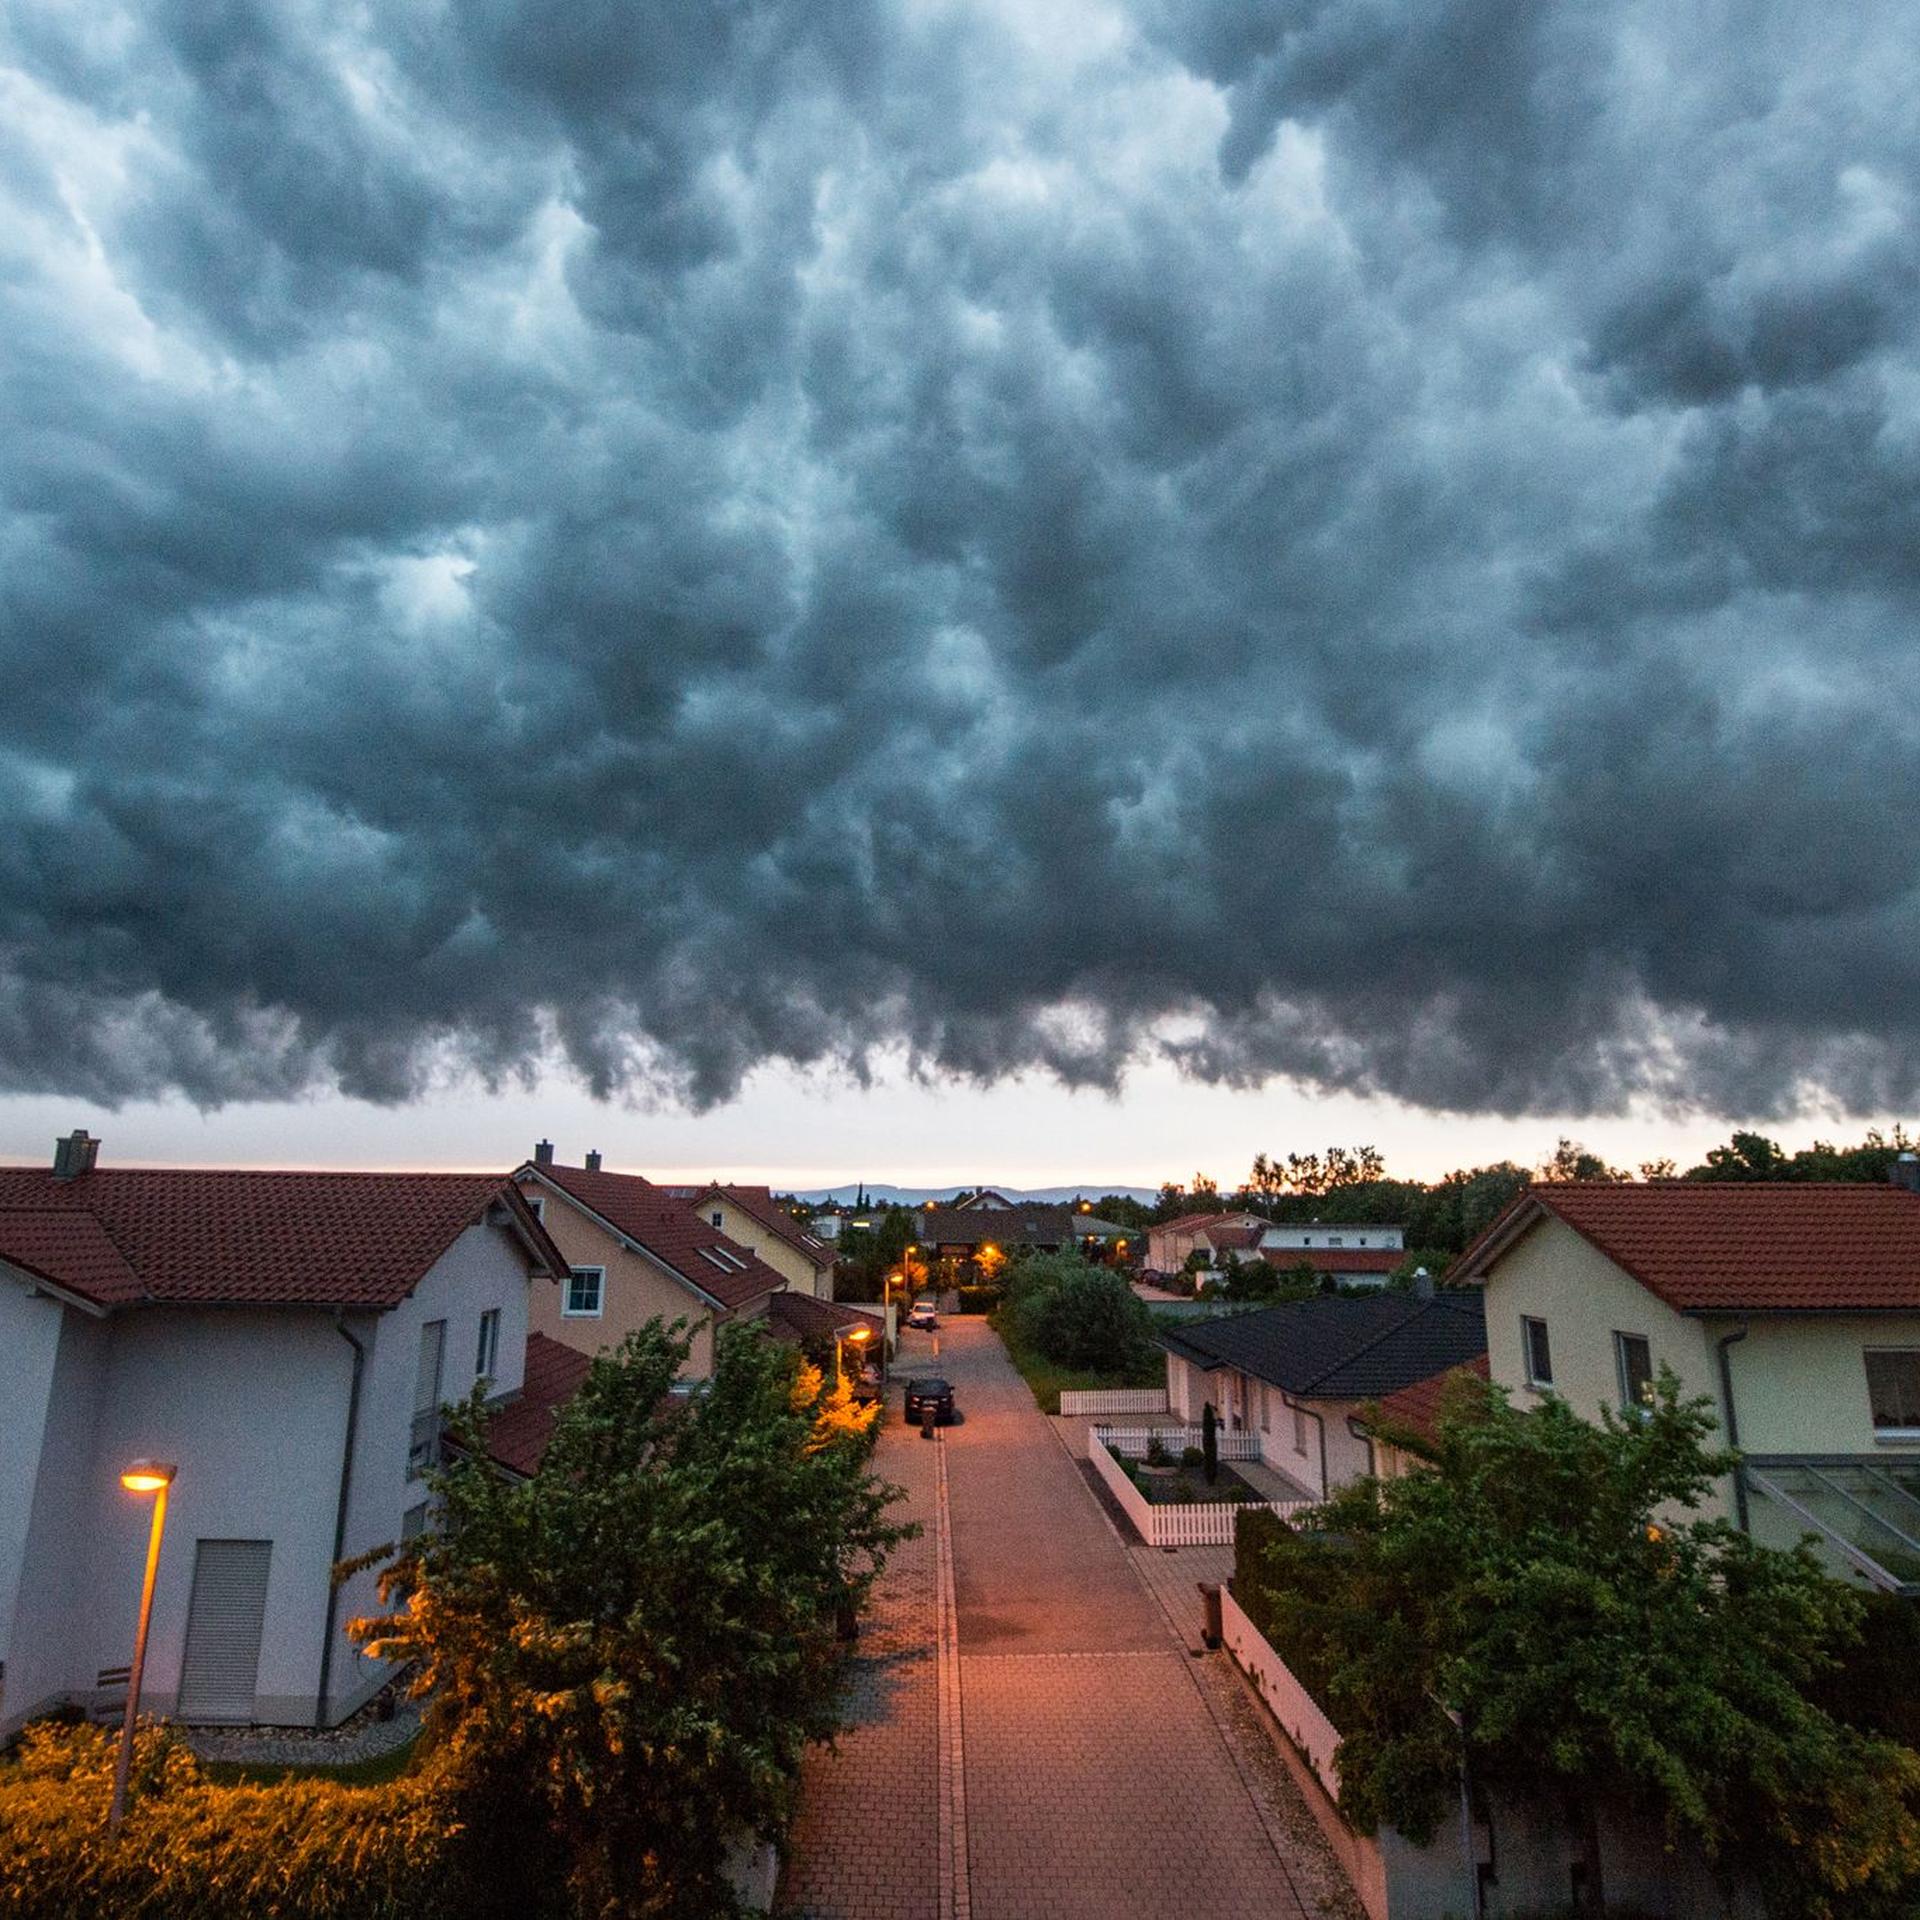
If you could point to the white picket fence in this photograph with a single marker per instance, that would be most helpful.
(1208, 1524)
(1137, 1442)
(1114, 1400)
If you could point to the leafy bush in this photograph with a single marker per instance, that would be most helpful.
(189, 1850)
(1086, 1317)
(1598, 1650)
(627, 1655)
(978, 1299)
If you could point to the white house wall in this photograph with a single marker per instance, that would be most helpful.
(483, 1268)
(50, 1359)
(252, 1406)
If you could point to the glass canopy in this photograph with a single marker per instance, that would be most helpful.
(1865, 1512)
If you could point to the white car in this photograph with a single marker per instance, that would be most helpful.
(921, 1314)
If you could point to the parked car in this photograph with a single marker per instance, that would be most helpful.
(929, 1399)
(921, 1314)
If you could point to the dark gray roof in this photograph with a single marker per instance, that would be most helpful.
(1020, 1225)
(1337, 1348)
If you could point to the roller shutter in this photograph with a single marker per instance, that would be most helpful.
(224, 1619)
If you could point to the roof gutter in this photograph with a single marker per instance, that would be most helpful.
(1721, 1349)
(340, 1514)
(1319, 1421)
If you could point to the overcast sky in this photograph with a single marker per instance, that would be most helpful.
(688, 554)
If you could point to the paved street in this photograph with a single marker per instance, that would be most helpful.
(1087, 1770)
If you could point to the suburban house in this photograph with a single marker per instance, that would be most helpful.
(965, 1233)
(750, 1217)
(1795, 1307)
(285, 1342)
(1352, 1256)
(1300, 1375)
(1172, 1243)
(634, 1252)
(988, 1199)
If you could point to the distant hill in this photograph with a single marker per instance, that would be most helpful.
(882, 1195)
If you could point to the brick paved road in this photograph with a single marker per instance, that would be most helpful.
(1098, 1781)
(866, 1843)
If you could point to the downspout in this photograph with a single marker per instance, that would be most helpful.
(340, 1514)
(1357, 1427)
(1320, 1424)
(1721, 1345)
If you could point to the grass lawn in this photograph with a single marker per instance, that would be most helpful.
(1048, 1380)
(375, 1772)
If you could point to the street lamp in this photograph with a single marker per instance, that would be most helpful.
(154, 1477)
(847, 1337)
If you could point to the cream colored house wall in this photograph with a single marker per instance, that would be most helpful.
(636, 1290)
(1800, 1385)
(793, 1266)
(1554, 1275)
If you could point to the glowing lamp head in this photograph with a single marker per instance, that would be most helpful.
(148, 1476)
(859, 1336)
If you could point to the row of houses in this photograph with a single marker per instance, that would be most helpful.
(286, 1341)
(1793, 1308)
(1359, 1256)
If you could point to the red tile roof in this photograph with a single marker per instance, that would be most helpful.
(1228, 1235)
(1418, 1407)
(760, 1203)
(798, 1316)
(668, 1229)
(1336, 1259)
(1761, 1247)
(219, 1236)
(517, 1435)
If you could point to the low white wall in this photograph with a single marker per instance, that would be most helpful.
(1289, 1702)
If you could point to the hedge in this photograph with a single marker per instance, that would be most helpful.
(190, 1850)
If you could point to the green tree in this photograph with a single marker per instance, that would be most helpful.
(626, 1655)
(1090, 1320)
(1538, 1582)
(869, 1254)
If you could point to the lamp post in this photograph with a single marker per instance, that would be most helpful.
(843, 1338)
(154, 1477)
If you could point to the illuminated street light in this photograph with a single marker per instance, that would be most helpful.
(154, 1477)
(847, 1337)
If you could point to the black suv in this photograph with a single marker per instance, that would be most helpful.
(929, 1400)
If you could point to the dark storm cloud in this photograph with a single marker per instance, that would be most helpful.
(1374, 542)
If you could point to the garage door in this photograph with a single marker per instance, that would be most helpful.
(224, 1618)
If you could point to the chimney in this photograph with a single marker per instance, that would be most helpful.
(1905, 1171)
(543, 1153)
(1422, 1284)
(593, 1161)
(75, 1155)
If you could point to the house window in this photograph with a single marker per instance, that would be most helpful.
(1893, 1388)
(486, 1355)
(1536, 1351)
(585, 1288)
(1299, 1432)
(413, 1523)
(537, 1206)
(1336, 1240)
(1266, 1411)
(1634, 1357)
(423, 1437)
(717, 1217)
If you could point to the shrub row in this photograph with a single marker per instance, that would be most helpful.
(191, 1850)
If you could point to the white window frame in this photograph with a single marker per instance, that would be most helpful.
(486, 1355)
(537, 1206)
(1637, 1409)
(1540, 1382)
(1300, 1431)
(568, 1311)
(1881, 1433)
